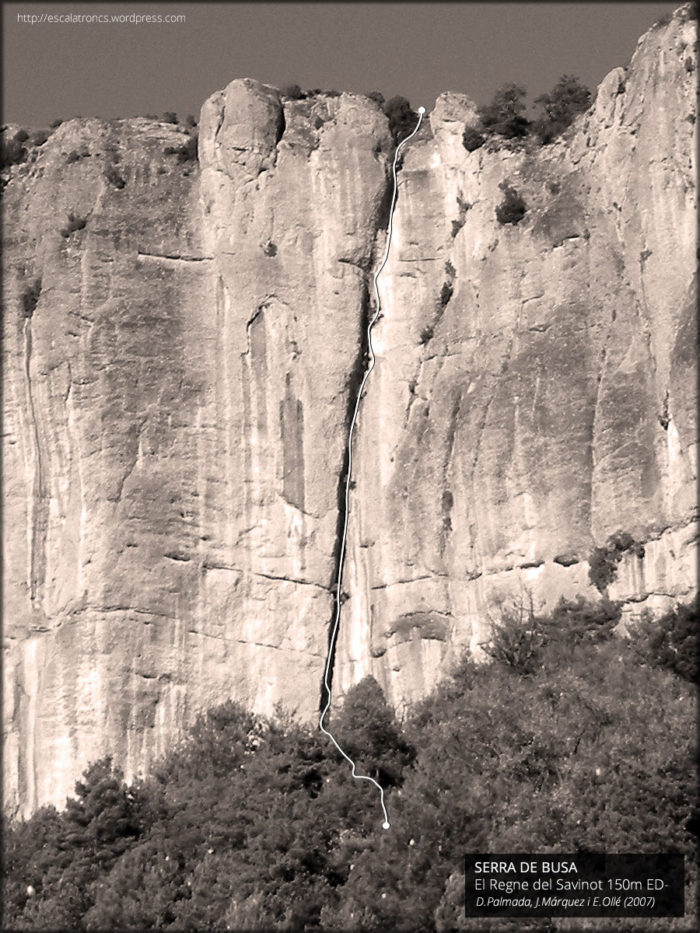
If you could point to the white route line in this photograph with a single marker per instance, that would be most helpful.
(373, 321)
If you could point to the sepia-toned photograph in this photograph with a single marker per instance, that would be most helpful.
(349, 466)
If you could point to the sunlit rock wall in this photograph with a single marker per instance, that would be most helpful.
(177, 401)
(536, 387)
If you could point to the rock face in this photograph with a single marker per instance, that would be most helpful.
(179, 374)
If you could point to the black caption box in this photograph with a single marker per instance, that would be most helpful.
(580, 885)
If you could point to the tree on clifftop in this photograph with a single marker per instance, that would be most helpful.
(564, 102)
(505, 114)
(402, 118)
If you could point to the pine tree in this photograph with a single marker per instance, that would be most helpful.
(564, 102)
(505, 114)
(402, 118)
(368, 730)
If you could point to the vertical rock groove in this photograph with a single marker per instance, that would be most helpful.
(39, 517)
(353, 387)
(364, 364)
(353, 421)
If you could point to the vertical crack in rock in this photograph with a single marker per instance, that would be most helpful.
(447, 497)
(384, 209)
(382, 220)
(370, 359)
(281, 126)
(291, 415)
(353, 387)
(39, 519)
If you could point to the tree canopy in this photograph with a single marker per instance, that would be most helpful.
(584, 741)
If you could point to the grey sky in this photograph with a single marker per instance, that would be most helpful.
(414, 49)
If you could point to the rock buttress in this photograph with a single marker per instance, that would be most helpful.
(175, 418)
(535, 389)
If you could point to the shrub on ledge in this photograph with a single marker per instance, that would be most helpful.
(472, 139)
(512, 209)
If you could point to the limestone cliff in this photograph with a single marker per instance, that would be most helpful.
(180, 362)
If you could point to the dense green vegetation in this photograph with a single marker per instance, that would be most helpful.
(580, 741)
(505, 114)
(294, 92)
(17, 148)
(512, 208)
(603, 561)
(504, 117)
(564, 102)
(186, 151)
(402, 117)
(30, 297)
(12, 150)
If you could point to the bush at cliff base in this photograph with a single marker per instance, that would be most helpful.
(257, 824)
